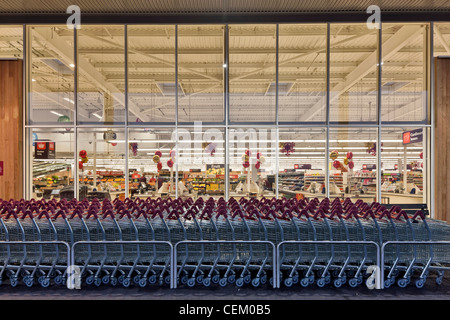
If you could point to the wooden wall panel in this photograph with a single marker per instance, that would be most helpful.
(442, 139)
(11, 129)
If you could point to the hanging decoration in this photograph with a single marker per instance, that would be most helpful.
(134, 148)
(157, 159)
(260, 160)
(334, 155)
(171, 161)
(372, 148)
(246, 158)
(287, 147)
(83, 156)
(209, 148)
(349, 155)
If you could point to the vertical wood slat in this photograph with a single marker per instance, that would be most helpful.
(442, 138)
(11, 129)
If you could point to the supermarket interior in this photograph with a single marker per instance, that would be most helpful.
(228, 110)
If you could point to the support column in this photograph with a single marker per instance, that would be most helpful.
(11, 129)
(442, 139)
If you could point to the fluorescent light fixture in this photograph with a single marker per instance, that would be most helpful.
(72, 65)
(96, 115)
(58, 114)
(34, 80)
(224, 65)
(69, 100)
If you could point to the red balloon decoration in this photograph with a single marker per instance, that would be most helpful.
(170, 163)
(336, 164)
(246, 164)
(158, 153)
(159, 166)
(83, 154)
(349, 155)
(248, 152)
(351, 164)
(258, 165)
(80, 165)
(421, 155)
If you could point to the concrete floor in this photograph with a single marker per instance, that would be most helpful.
(431, 291)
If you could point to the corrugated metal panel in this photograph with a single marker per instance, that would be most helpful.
(216, 6)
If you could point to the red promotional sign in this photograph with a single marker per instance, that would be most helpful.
(41, 145)
(407, 137)
(1, 168)
(51, 146)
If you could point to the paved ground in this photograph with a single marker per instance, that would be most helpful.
(431, 291)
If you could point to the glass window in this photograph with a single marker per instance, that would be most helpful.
(404, 82)
(11, 42)
(201, 161)
(152, 163)
(352, 160)
(403, 165)
(52, 163)
(101, 163)
(302, 73)
(353, 73)
(151, 74)
(201, 71)
(302, 162)
(252, 73)
(51, 75)
(101, 74)
(252, 162)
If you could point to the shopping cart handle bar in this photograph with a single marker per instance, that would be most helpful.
(44, 213)
(400, 214)
(420, 214)
(108, 213)
(60, 213)
(27, 213)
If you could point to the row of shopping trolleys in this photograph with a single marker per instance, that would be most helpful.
(182, 242)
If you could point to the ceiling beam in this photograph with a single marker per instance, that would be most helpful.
(390, 47)
(65, 53)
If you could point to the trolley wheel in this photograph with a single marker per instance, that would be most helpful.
(402, 283)
(126, 282)
(40, 279)
(337, 282)
(215, 279)
(90, 280)
(263, 279)
(121, 278)
(113, 281)
(58, 279)
(45, 283)
(311, 279)
(438, 281)
(321, 282)
(152, 279)
(247, 279)
(191, 282)
(420, 283)
(223, 282)
(184, 279)
(256, 282)
(359, 279)
(199, 279)
(304, 282)
(232, 278)
(136, 278)
(350, 273)
(167, 280)
(295, 279)
(142, 282)
(288, 282)
(106, 279)
(14, 281)
(240, 282)
(28, 280)
(97, 282)
(353, 282)
(387, 283)
(207, 282)
(271, 281)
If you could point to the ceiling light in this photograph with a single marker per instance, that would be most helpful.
(58, 114)
(34, 80)
(72, 65)
(69, 100)
(96, 115)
